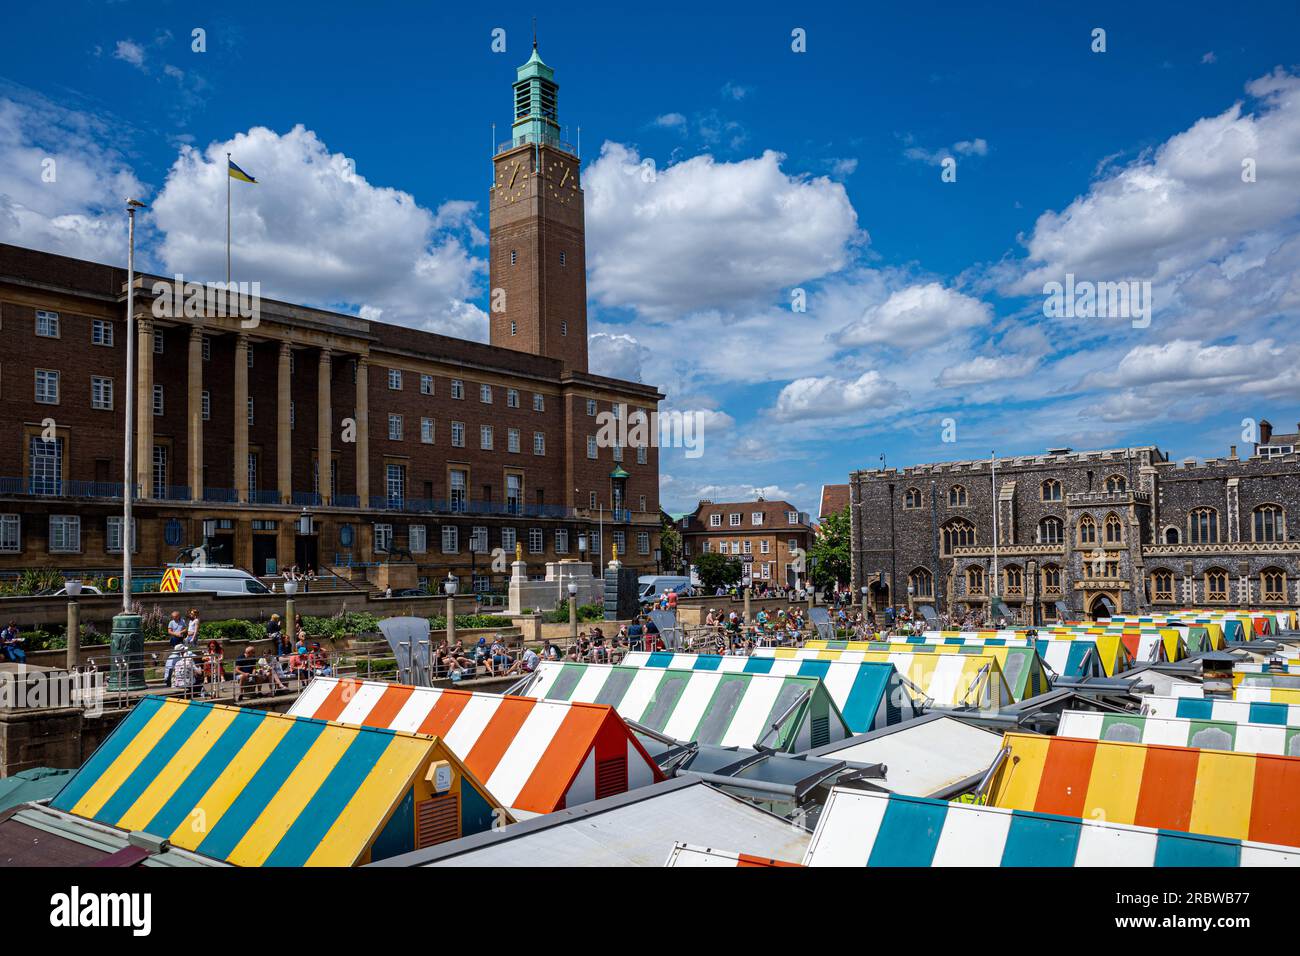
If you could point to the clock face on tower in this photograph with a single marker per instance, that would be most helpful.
(561, 180)
(512, 180)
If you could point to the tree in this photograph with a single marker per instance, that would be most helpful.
(717, 570)
(830, 551)
(670, 545)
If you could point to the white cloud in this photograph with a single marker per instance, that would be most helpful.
(1185, 204)
(844, 167)
(735, 91)
(965, 147)
(313, 230)
(983, 368)
(1187, 366)
(80, 213)
(829, 397)
(917, 316)
(705, 234)
(130, 52)
(673, 121)
(616, 355)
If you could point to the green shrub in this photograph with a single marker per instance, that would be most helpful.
(586, 612)
(231, 632)
(353, 622)
(439, 622)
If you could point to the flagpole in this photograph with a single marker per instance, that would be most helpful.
(227, 221)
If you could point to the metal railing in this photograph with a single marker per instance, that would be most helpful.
(59, 488)
(456, 506)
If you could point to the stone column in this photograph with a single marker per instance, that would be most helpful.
(363, 432)
(283, 432)
(194, 442)
(144, 407)
(324, 426)
(240, 401)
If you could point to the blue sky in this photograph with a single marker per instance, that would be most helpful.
(773, 171)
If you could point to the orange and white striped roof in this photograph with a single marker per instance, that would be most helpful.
(533, 755)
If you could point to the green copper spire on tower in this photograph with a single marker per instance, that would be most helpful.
(536, 119)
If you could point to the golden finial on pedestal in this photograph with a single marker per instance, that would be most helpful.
(519, 551)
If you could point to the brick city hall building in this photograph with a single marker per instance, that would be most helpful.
(1083, 534)
(413, 452)
(775, 535)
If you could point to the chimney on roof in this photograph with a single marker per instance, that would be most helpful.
(1265, 431)
(1232, 451)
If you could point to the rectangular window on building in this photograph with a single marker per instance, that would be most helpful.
(45, 466)
(207, 349)
(395, 379)
(65, 534)
(756, 517)
(793, 516)
(159, 342)
(47, 324)
(734, 519)
(47, 387)
(250, 409)
(724, 547)
(113, 535)
(485, 437)
(514, 494)
(158, 403)
(620, 542)
(101, 332)
(749, 547)
(457, 434)
(792, 544)
(536, 541)
(561, 540)
(11, 534)
(160, 471)
(459, 490)
(539, 443)
(642, 454)
(591, 500)
(485, 394)
(383, 537)
(539, 403)
(512, 440)
(426, 384)
(641, 502)
(252, 472)
(643, 542)
(101, 393)
(512, 398)
(509, 537)
(450, 539)
(564, 328)
(478, 540)
(591, 407)
(457, 388)
(395, 485)
(715, 521)
(417, 539)
(205, 402)
(591, 446)
(763, 546)
(293, 417)
(426, 430)
(618, 452)
(394, 427)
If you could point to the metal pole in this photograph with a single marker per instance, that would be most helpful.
(573, 618)
(128, 485)
(451, 619)
(995, 529)
(228, 222)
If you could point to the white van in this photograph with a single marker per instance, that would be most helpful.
(654, 586)
(220, 580)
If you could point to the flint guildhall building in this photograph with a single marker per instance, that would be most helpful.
(415, 454)
(1083, 534)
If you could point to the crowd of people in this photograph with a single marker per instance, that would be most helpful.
(201, 671)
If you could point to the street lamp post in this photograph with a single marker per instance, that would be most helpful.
(290, 617)
(450, 586)
(126, 646)
(573, 612)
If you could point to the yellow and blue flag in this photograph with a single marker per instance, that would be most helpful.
(237, 173)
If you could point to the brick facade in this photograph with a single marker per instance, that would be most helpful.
(778, 544)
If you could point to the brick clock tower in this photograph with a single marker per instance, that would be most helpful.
(537, 259)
